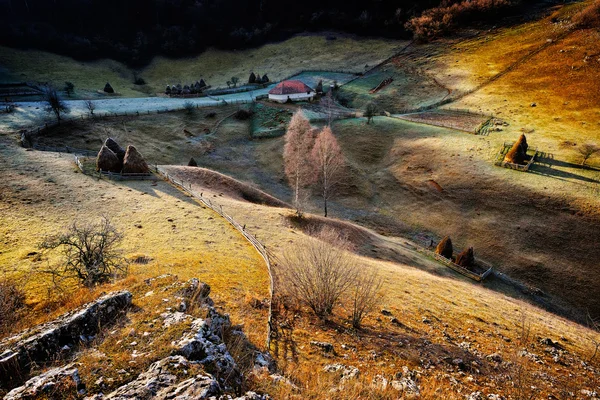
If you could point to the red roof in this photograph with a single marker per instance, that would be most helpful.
(291, 87)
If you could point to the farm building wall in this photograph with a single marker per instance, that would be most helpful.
(282, 98)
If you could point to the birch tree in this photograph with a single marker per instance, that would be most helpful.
(329, 164)
(297, 155)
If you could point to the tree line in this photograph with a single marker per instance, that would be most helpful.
(134, 31)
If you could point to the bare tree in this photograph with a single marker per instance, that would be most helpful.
(370, 111)
(587, 150)
(328, 103)
(329, 164)
(54, 103)
(317, 272)
(89, 251)
(234, 81)
(296, 156)
(366, 295)
(91, 106)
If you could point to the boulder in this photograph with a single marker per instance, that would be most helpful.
(42, 343)
(46, 384)
(163, 380)
(204, 345)
(345, 372)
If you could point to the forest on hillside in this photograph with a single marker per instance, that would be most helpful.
(133, 31)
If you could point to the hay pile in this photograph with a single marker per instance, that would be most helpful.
(192, 163)
(108, 88)
(444, 248)
(107, 160)
(114, 146)
(134, 163)
(518, 152)
(466, 258)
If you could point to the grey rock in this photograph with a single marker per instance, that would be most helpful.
(475, 396)
(495, 357)
(46, 382)
(162, 381)
(406, 383)
(326, 347)
(204, 344)
(42, 342)
(345, 372)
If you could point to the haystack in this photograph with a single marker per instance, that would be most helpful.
(168, 90)
(466, 258)
(107, 161)
(114, 146)
(108, 88)
(134, 163)
(444, 248)
(192, 163)
(252, 78)
(202, 83)
(518, 152)
(265, 78)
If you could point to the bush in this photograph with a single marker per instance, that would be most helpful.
(440, 20)
(317, 272)
(243, 114)
(90, 253)
(365, 295)
(589, 17)
(189, 107)
(12, 299)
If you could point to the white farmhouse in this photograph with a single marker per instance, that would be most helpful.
(291, 91)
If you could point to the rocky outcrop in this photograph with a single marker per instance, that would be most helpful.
(163, 380)
(48, 383)
(44, 342)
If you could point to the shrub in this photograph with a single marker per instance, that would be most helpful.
(12, 299)
(443, 19)
(365, 295)
(243, 114)
(138, 80)
(317, 272)
(69, 88)
(189, 107)
(589, 17)
(90, 253)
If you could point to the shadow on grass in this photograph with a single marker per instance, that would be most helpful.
(547, 170)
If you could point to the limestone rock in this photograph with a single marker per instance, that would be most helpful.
(46, 383)
(344, 371)
(42, 343)
(162, 381)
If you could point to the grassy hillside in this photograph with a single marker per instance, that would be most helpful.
(42, 193)
(440, 319)
(278, 60)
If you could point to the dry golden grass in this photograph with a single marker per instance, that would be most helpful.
(457, 311)
(42, 193)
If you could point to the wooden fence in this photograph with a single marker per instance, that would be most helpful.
(519, 167)
(260, 248)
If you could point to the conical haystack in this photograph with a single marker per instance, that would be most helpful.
(444, 248)
(108, 88)
(518, 152)
(134, 163)
(466, 258)
(107, 161)
(114, 146)
(192, 163)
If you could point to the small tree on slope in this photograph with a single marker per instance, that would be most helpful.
(329, 163)
(296, 156)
